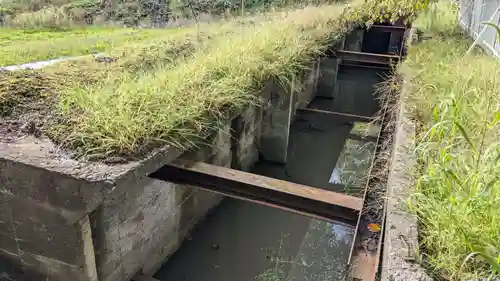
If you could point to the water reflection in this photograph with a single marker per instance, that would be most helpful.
(323, 253)
(353, 165)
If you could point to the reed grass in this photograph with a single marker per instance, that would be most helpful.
(101, 110)
(455, 99)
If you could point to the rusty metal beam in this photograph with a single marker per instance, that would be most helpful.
(366, 57)
(388, 28)
(383, 68)
(347, 116)
(302, 199)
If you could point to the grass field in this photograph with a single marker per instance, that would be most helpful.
(18, 46)
(456, 101)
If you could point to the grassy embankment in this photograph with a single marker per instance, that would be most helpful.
(184, 89)
(455, 99)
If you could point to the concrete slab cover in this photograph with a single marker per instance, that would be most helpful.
(42, 153)
(42, 64)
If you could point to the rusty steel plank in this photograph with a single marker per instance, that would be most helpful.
(299, 198)
(383, 68)
(388, 28)
(349, 117)
(367, 57)
(365, 264)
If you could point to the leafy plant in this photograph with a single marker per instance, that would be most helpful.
(496, 27)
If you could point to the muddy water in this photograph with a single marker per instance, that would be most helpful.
(241, 241)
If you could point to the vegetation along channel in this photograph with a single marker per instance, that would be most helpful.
(265, 140)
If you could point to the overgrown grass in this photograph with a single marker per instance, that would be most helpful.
(180, 101)
(456, 100)
(182, 105)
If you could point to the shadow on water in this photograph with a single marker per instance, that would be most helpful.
(245, 241)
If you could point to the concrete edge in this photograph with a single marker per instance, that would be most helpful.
(43, 153)
(400, 246)
(45, 63)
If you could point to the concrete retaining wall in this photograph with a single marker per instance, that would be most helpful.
(400, 258)
(62, 219)
(280, 110)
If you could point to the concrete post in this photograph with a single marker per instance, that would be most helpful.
(328, 85)
(354, 40)
(276, 120)
(396, 43)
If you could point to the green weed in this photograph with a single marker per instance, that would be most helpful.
(455, 100)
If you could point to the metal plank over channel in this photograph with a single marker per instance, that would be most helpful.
(367, 66)
(367, 57)
(348, 117)
(388, 28)
(302, 199)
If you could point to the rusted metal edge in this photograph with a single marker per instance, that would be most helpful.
(349, 117)
(387, 28)
(372, 261)
(302, 199)
(382, 59)
(365, 269)
(384, 214)
(384, 68)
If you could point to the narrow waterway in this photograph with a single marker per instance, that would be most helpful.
(245, 241)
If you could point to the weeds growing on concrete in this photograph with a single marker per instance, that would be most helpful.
(454, 98)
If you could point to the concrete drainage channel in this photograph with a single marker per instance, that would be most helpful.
(295, 177)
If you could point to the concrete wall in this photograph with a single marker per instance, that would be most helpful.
(54, 225)
(138, 226)
(327, 86)
(43, 227)
(280, 111)
(401, 245)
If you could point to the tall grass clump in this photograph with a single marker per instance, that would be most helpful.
(455, 99)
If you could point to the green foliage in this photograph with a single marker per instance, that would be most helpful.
(496, 27)
(454, 99)
(130, 112)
